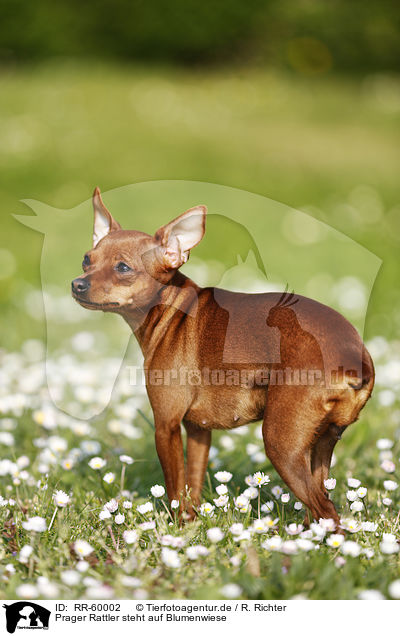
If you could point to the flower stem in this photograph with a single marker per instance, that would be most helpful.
(123, 476)
(112, 538)
(168, 510)
(53, 517)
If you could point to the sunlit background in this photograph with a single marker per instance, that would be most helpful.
(282, 117)
(297, 101)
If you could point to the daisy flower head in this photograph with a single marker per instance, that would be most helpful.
(242, 503)
(157, 490)
(82, 548)
(328, 525)
(215, 535)
(109, 478)
(335, 540)
(96, 463)
(170, 558)
(27, 590)
(251, 492)
(353, 483)
(350, 548)
(387, 547)
(273, 544)
(368, 526)
(82, 566)
(70, 577)
(25, 553)
(330, 484)
(231, 590)
(384, 444)
(277, 491)
(221, 489)
(270, 523)
(236, 528)
(223, 476)
(390, 485)
(61, 499)
(126, 459)
(67, 463)
(268, 506)
(389, 544)
(111, 506)
(222, 501)
(193, 552)
(289, 547)
(258, 526)
(294, 528)
(147, 525)
(145, 508)
(351, 525)
(35, 524)
(340, 561)
(207, 509)
(285, 498)
(370, 595)
(394, 589)
(235, 560)
(305, 545)
(318, 531)
(259, 479)
(173, 542)
(388, 466)
(90, 447)
(130, 536)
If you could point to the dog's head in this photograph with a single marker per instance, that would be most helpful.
(125, 269)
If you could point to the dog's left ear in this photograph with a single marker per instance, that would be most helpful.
(103, 220)
(179, 236)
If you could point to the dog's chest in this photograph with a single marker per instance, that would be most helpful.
(226, 409)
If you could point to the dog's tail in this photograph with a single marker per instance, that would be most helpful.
(364, 383)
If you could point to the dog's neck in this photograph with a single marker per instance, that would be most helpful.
(149, 324)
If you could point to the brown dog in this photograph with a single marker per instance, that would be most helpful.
(219, 359)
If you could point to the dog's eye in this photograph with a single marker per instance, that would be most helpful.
(86, 261)
(123, 267)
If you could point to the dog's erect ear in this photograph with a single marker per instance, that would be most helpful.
(179, 236)
(103, 221)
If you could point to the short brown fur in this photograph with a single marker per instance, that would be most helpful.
(181, 326)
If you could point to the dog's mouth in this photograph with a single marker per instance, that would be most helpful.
(89, 303)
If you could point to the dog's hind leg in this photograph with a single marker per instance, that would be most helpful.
(293, 418)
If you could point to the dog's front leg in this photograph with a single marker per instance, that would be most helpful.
(170, 452)
(197, 449)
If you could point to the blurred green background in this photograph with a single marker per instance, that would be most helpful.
(297, 101)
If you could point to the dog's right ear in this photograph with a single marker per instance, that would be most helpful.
(103, 220)
(178, 237)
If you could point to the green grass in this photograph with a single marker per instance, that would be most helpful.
(329, 146)
(59, 449)
(305, 142)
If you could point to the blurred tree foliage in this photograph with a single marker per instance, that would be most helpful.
(310, 36)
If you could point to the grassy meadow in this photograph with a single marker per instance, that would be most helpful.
(79, 518)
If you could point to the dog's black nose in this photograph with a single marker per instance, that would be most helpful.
(80, 285)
